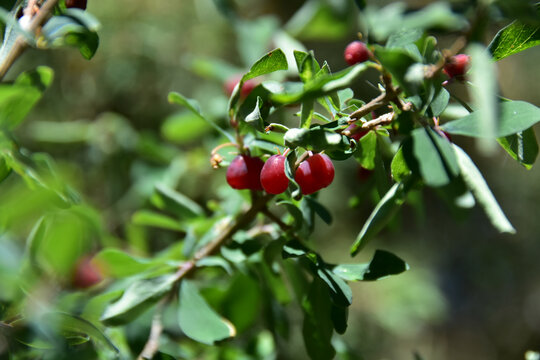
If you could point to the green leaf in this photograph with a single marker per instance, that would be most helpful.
(522, 146)
(317, 327)
(435, 157)
(397, 62)
(198, 320)
(367, 150)
(320, 86)
(67, 323)
(383, 213)
(383, 264)
(514, 116)
(58, 240)
(321, 20)
(193, 106)
(255, 119)
(74, 28)
(382, 22)
(484, 94)
(399, 167)
(184, 127)
(5, 170)
(210, 68)
(307, 68)
(478, 186)
(17, 99)
(439, 102)
(176, 203)
(514, 38)
(405, 39)
(155, 219)
(137, 298)
(339, 317)
(275, 60)
(340, 292)
(117, 263)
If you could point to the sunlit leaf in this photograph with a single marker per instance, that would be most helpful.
(137, 298)
(513, 39)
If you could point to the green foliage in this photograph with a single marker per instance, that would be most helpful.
(513, 39)
(181, 265)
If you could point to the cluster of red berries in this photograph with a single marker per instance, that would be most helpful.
(79, 4)
(313, 174)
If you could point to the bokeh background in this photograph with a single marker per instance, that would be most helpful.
(470, 293)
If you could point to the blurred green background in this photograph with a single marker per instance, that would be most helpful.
(470, 294)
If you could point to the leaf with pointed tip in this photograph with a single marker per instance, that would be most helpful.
(383, 213)
(478, 186)
(383, 264)
(193, 106)
(514, 38)
(166, 198)
(514, 116)
(137, 298)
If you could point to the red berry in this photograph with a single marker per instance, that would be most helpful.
(231, 83)
(80, 4)
(244, 173)
(356, 52)
(315, 173)
(273, 178)
(86, 273)
(357, 135)
(457, 66)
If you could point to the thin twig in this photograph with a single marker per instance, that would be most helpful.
(152, 344)
(236, 224)
(20, 43)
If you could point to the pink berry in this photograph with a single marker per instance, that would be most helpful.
(358, 134)
(273, 177)
(457, 66)
(356, 52)
(315, 173)
(231, 83)
(244, 173)
(86, 273)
